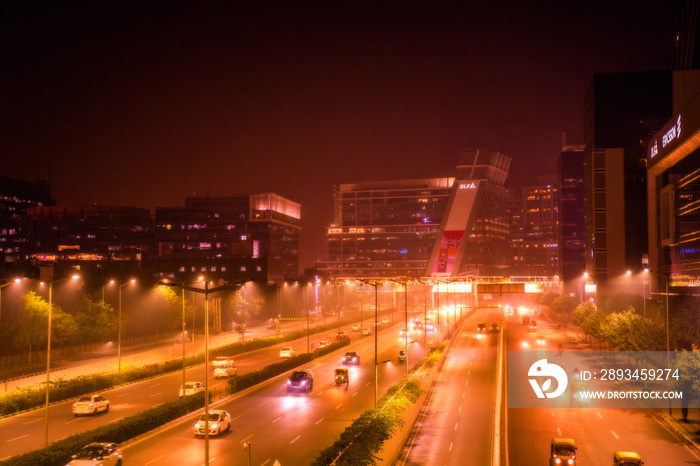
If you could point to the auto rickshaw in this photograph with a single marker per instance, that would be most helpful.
(341, 376)
(627, 458)
(402, 356)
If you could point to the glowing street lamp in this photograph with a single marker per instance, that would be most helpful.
(119, 325)
(16, 280)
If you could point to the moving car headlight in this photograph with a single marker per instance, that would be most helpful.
(303, 382)
(525, 345)
(214, 426)
(571, 461)
(197, 426)
(557, 461)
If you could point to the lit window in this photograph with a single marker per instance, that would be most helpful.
(213, 269)
(223, 268)
(258, 268)
(243, 269)
(244, 237)
(182, 269)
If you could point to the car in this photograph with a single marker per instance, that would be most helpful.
(385, 320)
(495, 327)
(98, 454)
(366, 331)
(219, 421)
(481, 327)
(418, 325)
(403, 333)
(533, 326)
(191, 388)
(225, 371)
(402, 355)
(342, 376)
(271, 324)
(341, 334)
(355, 327)
(541, 340)
(222, 361)
(429, 326)
(351, 357)
(562, 452)
(300, 380)
(90, 404)
(627, 458)
(323, 343)
(526, 320)
(287, 352)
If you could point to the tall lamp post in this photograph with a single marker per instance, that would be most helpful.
(376, 331)
(119, 325)
(180, 284)
(49, 272)
(405, 297)
(668, 338)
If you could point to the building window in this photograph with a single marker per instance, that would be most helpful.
(223, 268)
(213, 269)
(182, 269)
(243, 269)
(258, 268)
(204, 269)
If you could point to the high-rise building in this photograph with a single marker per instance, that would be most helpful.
(423, 227)
(621, 113)
(229, 238)
(16, 196)
(571, 220)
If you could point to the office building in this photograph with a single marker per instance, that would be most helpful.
(571, 220)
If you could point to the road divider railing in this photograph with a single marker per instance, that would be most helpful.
(59, 452)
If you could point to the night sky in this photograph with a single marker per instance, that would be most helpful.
(144, 104)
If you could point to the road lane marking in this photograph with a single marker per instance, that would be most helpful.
(466, 383)
(156, 394)
(266, 461)
(559, 431)
(320, 392)
(298, 436)
(691, 451)
(341, 404)
(552, 411)
(460, 409)
(367, 384)
(616, 436)
(319, 421)
(451, 443)
(463, 395)
(74, 420)
(599, 415)
(117, 419)
(17, 438)
(276, 420)
(153, 461)
(35, 420)
(354, 394)
(156, 385)
(456, 424)
(264, 403)
(243, 440)
(123, 394)
(236, 417)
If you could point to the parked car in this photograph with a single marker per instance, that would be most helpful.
(301, 380)
(225, 371)
(351, 357)
(219, 421)
(385, 320)
(98, 454)
(287, 352)
(191, 388)
(90, 404)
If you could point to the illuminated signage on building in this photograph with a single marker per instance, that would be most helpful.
(671, 135)
(467, 186)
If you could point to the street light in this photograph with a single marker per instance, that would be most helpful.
(16, 280)
(48, 345)
(119, 325)
(405, 296)
(376, 332)
(167, 283)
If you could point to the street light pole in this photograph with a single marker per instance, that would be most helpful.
(376, 331)
(119, 325)
(405, 295)
(668, 337)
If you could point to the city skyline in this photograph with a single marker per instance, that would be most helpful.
(145, 107)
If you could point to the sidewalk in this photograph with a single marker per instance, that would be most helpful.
(689, 430)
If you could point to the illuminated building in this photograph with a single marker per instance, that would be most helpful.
(674, 201)
(441, 227)
(16, 196)
(571, 220)
(106, 239)
(229, 238)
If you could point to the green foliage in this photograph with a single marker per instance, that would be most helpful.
(624, 331)
(100, 318)
(688, 365)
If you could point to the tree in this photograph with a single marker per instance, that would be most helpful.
(688, 365)
(563, 306)
(97, 321)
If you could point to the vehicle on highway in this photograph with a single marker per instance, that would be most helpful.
(222, 361)
(219, 421)
(342, 376)
(418, 325)
(90, 404)
(323, 343)
(429, 326)
(627, 458)
(351, 357)
(385, 320)
(355, 327)
(402, 355)
(191, 388)
(495, 327)
(271, 324)
(541, 340)
(225, 371)
(98, 454)
(300, 380)
(526, 320)
(287, 352)
(366, 331)
(403, 333)
(533, 326)
(481, 327)
(509, 310)
(341, 334)
(562, 452)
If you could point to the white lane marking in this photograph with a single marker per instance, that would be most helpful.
(552, 411)
(276, 420)
(17, 438)
(354, 394)
(460, 409)
(298, 436)
(264, 403)
(319, 420)
(153, 461)
(117, 419)
(599, 415)
(466, 383)
(616, 436)
(456, 424)
(35, 420)
(341, 404)
(367, 384)
(236, 417)
(123, 394)
(559, 431)
(243, 440)
(74, 420)
(463, 395)
(156, 394)
(320, 392)
(450, 446)
(156, 385)
(691, 451)
(266, 461)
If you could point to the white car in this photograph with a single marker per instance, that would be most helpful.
(98, 454)
(225, 371)
(366, 331)
(90, 404)
(287, 352)
(355, 327)
(219, 421)
(191, 388)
